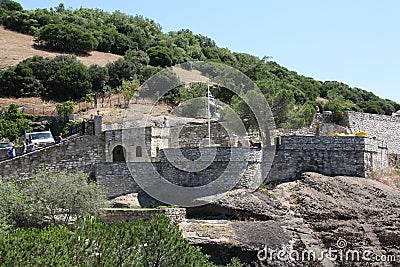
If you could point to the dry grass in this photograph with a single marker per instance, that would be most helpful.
(390, 177)
(36, 106)
(112, 109)
(15, 47)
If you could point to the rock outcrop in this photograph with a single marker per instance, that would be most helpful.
(314, 221)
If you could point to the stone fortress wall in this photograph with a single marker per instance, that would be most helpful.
(77, 153)
(380, 127)
(145, 148)
(329, 155)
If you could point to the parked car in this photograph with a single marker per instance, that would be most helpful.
(41, 138)
(6, 145)
(4, 149)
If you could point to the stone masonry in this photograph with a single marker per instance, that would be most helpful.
(146, 149)
(380, 127)
(128, 215)
(78, 153)
(352, 156)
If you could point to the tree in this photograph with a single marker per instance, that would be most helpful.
(139, 58)
(67, 38)
(162, 245)
(98, 78)
(14, 123)
(281, 104)
(10, 5)
(71, 82)
(128, 90)
(160, 56)
(19, 81)
(16, 209)
(65, 109)
(120, 70)
(55, 196)
(66, 195)
(338, 105)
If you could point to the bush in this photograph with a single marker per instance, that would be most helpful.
(50, 197)
(93, 243)
(68, 38)
(13, 123)
(160, 56)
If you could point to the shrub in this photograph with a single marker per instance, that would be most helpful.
(93, 243)
(50, 197)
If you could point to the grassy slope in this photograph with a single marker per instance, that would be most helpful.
(16, 47)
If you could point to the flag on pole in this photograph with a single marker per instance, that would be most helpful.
(212, 99)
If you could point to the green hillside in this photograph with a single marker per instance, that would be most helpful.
(147, 49)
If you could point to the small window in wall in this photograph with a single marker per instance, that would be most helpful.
(138, 151)
(118, 154)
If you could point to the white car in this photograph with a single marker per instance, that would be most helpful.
(41, 138)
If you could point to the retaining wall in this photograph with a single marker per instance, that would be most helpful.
(352, 156)
(381, 127)
(227, 164)
(79, 153)
(128, 215)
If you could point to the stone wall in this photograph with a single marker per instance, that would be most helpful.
(115, 178)
(197, 135)
(244, 165)
(381, 127)
(181, 166)
(78, 153)
(352, 156)
(128, 215)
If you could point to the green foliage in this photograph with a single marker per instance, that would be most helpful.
(65, 109)
(16, 209)
(243, 106)
(281, 103)
(10, 5)
(93, 243)
(98, 78)
(19, 81)
(54, 197)
(142, 43)
(338, 105)
(159, 83)
(67, 194)
(65, 38)
(139, 58)
(300, 116)
(69, 83)
(235, 262)
(160, 56)
(4, 226)
(120, 70)
(14, 123)
(128, 90)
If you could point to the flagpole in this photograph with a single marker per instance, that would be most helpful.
(209, 114)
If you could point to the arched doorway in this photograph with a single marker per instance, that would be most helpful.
(138, 151)
(118, 154)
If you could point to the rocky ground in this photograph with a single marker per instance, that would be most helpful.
(314, 221)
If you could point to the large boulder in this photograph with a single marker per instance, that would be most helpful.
(349, 216)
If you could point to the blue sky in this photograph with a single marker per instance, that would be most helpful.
(353, 41)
